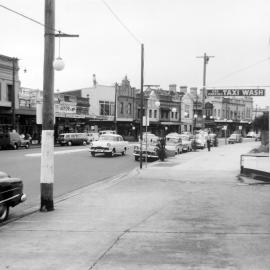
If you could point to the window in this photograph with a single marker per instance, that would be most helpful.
(0, 90)
(9, 92)
(187, 107)
(155, 113)
(215, 113)
(129, 108)
(122, 107)
(176, 115)
(106, 108)
(150, 113)
(172, 114)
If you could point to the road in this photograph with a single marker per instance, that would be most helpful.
(74, 168)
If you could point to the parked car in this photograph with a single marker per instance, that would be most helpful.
(200, 141)
(174, 143)
(213, 139)
(187, 142)
(109, 144)
(235, 138)
(102, 132)
(11, 194)
(13, 140)
(72, 139)
(251, 134)
(149, 148)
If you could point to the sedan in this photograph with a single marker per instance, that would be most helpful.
(109, 145)
(11, 194)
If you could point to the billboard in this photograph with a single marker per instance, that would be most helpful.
(235, 92)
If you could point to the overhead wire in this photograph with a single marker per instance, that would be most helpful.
(29, 18)
(121, 22)
(242, 69)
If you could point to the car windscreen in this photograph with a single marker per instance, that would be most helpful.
(108, 138)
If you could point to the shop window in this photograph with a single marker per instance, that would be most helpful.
(0, 90)
(106, 108)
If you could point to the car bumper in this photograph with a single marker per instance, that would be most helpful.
(145, 155)
(97, 151)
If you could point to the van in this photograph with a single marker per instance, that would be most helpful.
(72, 139)
(13, 140)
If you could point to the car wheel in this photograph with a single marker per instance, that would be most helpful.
(69, 143)
(124, 152)
(93, 154)
(27, 146)
(136, 158)
(4, 210)
(15, 146)
(84, 142)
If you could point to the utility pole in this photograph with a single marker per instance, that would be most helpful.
(141, 115)
(47, 145)
(115, 107)
(205, 62)
(14, 60)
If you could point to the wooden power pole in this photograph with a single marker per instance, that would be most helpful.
(47, 145)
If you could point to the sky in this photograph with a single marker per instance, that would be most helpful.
(174, 33)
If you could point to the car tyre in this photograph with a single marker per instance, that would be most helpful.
(124, 152)
(84, 142)
(27, 146)
(4, 211)
(69, 143)
(137, 158)
(15, 146)
(93, 154)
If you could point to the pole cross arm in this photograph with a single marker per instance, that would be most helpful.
(65, 35)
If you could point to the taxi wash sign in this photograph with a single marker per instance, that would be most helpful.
(235, 92)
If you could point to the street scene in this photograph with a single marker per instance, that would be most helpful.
(134, 135)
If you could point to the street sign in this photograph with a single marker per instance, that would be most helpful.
(235, 92)
(145, 121)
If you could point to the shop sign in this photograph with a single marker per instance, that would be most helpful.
(235, 92)
(66, 107)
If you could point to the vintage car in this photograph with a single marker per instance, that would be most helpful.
(200, 141)
(213, 139)
(235, 138)
(187, 142)
(109, 145)
(72, 139)
(13, 140)
(11, 194)
(149, 148)
(174, 143)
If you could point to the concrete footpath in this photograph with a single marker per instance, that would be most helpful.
(190, 212)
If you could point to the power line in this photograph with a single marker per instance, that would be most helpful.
(28, 18)
(121, 22)
(242, 69)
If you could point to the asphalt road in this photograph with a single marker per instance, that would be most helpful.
(74, 168)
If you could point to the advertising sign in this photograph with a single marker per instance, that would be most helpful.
(235, 92)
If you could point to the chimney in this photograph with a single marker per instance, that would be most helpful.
(94, 80)
(172, 87)
(183, 89)
(193, 91)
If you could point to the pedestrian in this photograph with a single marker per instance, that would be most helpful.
(208, 141)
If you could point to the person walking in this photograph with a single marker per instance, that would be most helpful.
(208, 141)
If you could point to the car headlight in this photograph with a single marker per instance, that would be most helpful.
(90, 144)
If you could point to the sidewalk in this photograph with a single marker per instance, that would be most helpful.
(185, 213)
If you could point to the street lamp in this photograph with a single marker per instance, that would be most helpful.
(195, 119)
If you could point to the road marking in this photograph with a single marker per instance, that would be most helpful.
(58, 152)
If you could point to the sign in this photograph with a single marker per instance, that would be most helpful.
(224, 127)
(145, 121)
(240, 127)
(235, 92)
